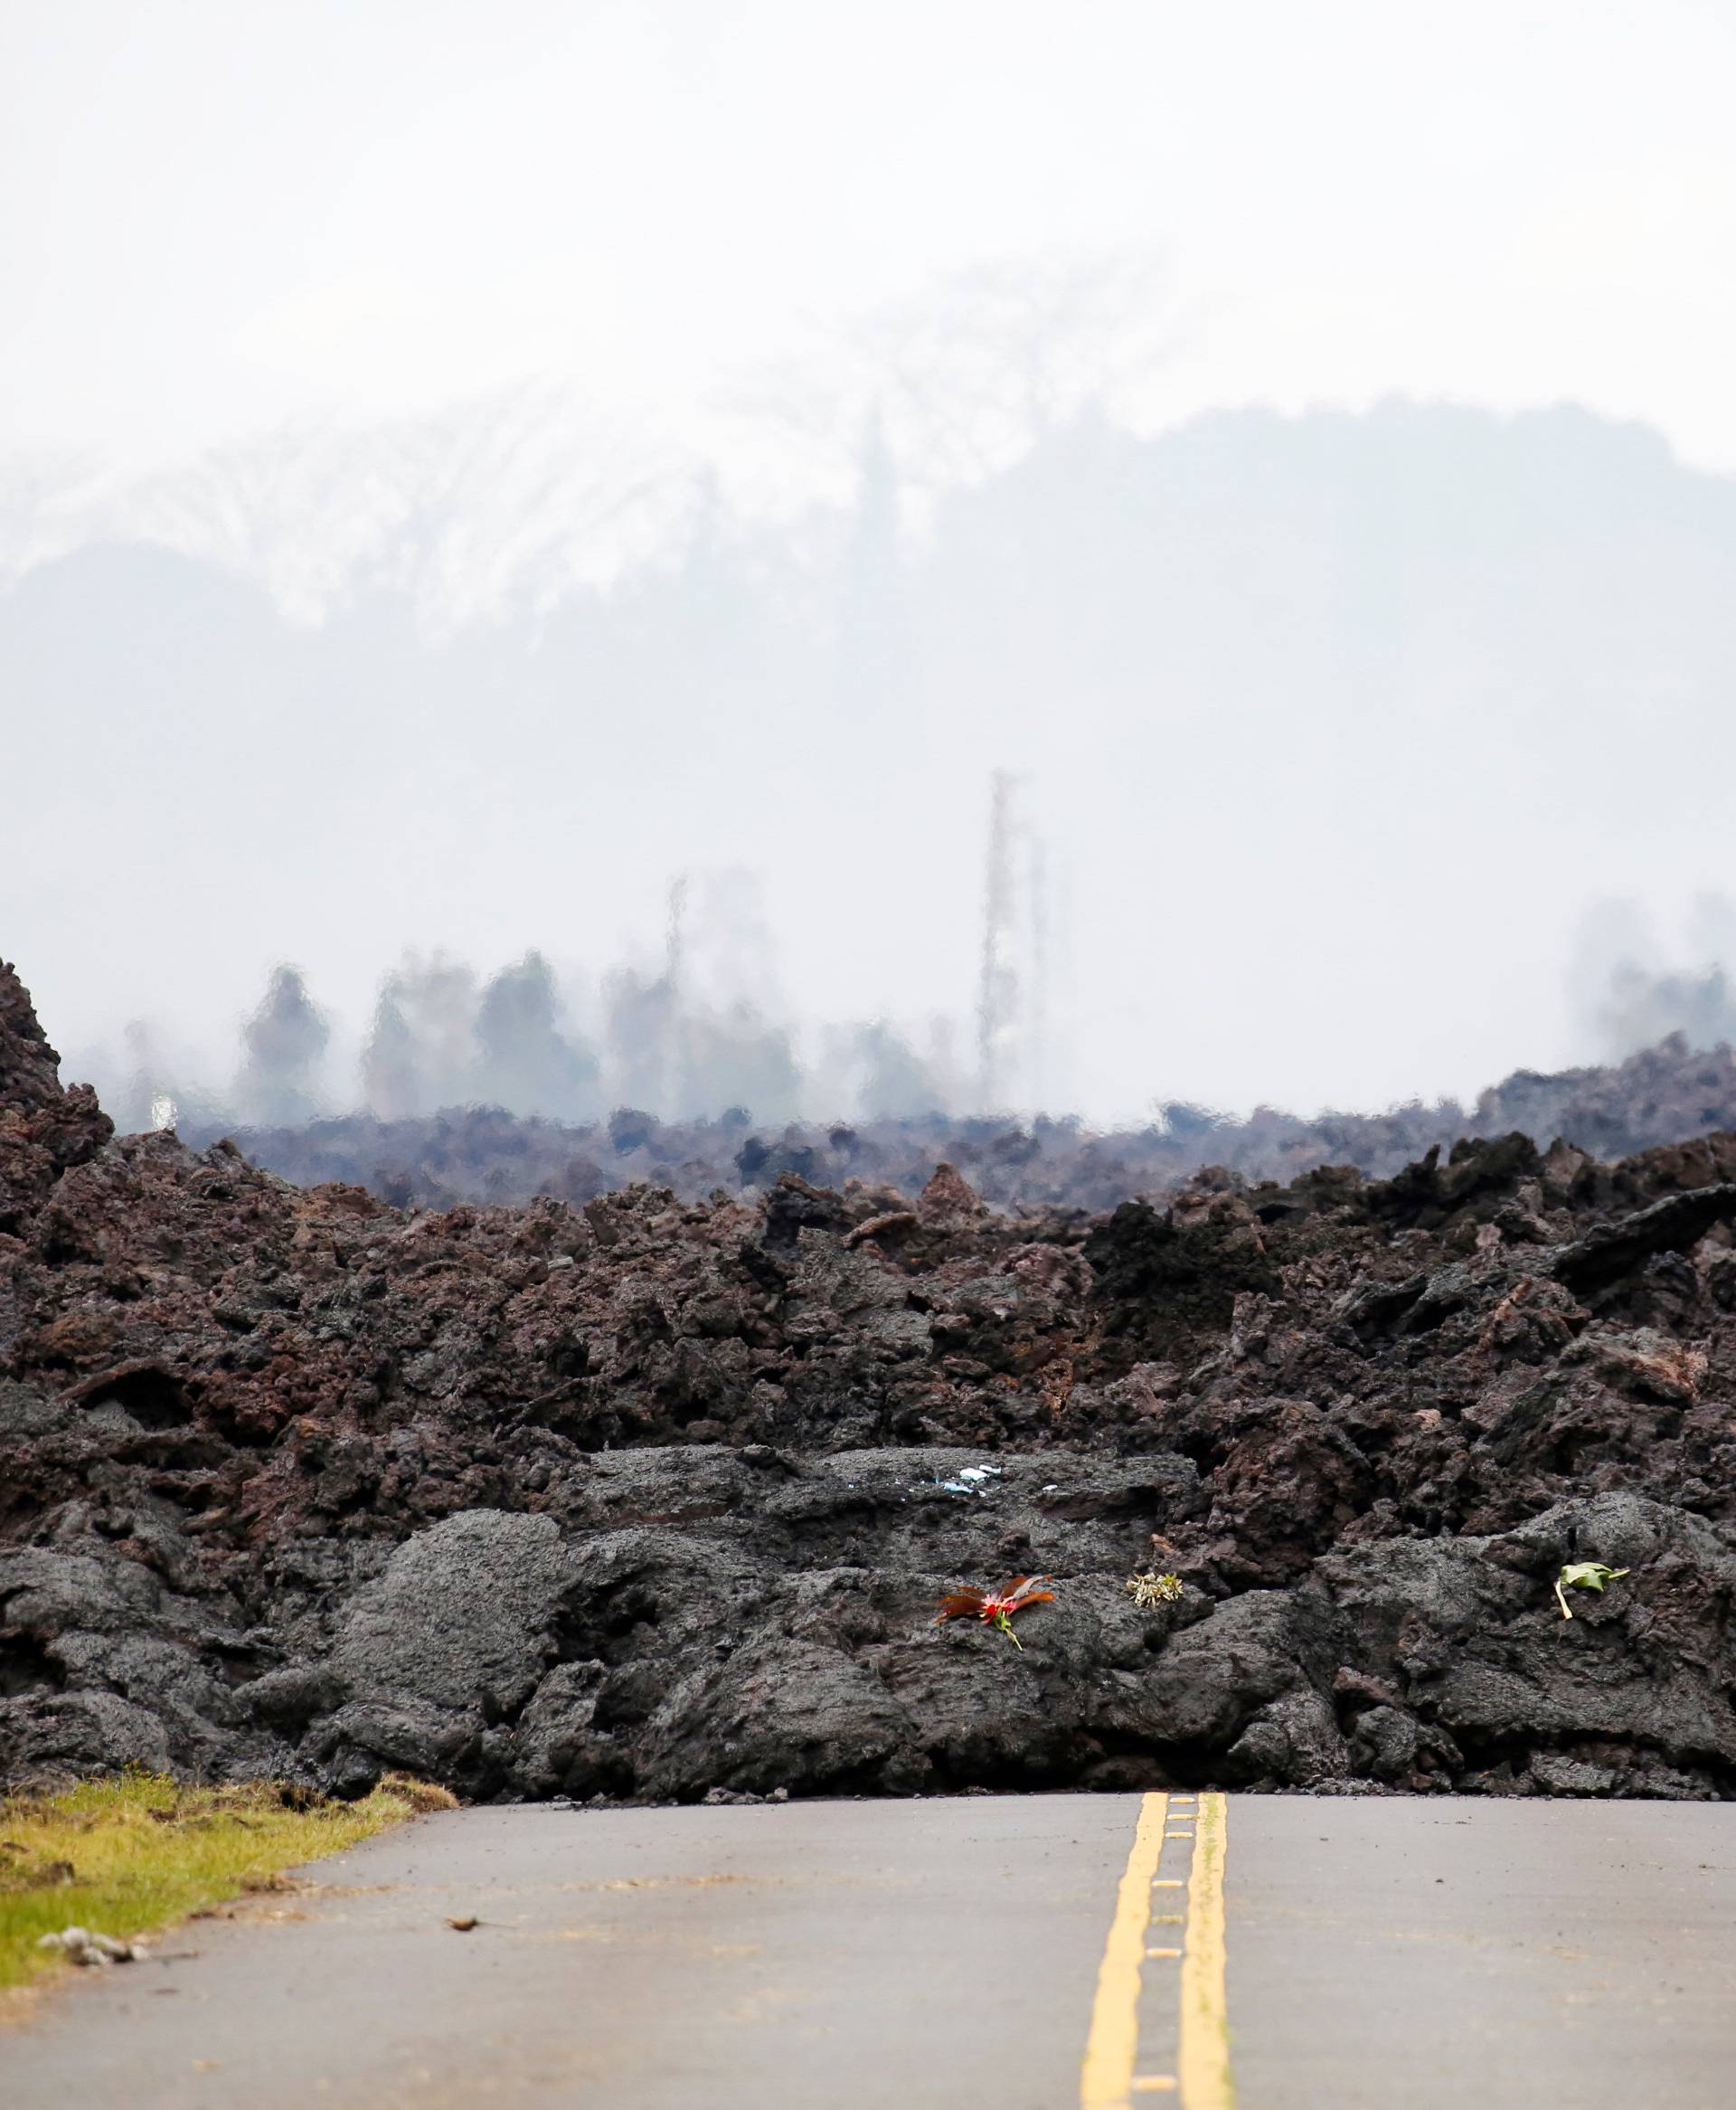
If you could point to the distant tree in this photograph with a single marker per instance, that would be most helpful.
(640, 1034)
(392, 1085)
(524, 1062)
(420, 1053)
(513, 496)
(149, 1093)
(285, 1042)
(896, 1083)
(738, 1060)
(967, 376)
(873, 642)
(983, 365)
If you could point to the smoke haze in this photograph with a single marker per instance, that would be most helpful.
(462, 470)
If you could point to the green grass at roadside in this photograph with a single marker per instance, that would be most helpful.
(122, 1857)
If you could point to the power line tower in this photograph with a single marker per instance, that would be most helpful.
(998, 991)
(1038, 1081)
(669, 993)
(1014, 1054)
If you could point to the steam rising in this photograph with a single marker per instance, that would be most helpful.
(1632, 989)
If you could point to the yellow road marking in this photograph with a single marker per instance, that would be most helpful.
(1202, 2078)
(1204, 2063)
(1106, 2079)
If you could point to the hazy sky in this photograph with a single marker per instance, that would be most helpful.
(213, 215)
(218, 215)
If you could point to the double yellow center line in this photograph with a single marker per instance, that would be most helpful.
(1109, 2077)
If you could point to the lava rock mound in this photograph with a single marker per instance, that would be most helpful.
(651, 1498)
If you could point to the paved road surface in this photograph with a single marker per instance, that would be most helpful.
(1033, 1952)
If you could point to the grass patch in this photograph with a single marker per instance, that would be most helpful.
(124, 1856)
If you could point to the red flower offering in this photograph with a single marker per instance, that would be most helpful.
(997, 1607)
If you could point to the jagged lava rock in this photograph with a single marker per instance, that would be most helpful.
(654, 1498)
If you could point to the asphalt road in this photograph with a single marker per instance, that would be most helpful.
(1032, 1953)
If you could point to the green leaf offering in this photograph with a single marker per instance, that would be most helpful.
(1583, 1574)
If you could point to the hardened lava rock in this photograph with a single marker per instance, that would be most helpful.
(654, 1498)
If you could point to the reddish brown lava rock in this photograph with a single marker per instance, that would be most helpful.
(949, 1202)
(654, 1497)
